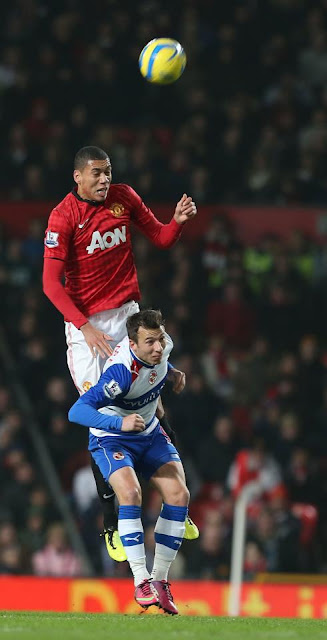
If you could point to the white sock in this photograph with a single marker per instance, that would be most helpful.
(131, 533)
(168, 534)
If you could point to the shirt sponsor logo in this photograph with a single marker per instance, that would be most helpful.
(51, 239)
(86, 385)
(152, 377)
(112, 389)
(142, 402)
(107, 240)
(118, 455)
(117, 209)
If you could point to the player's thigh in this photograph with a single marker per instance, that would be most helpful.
(160, 451)
(169, 480)
(112, 456)
(126, 486)
(113, 321)
(85, 369)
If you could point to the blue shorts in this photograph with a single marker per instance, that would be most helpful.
(144, 453)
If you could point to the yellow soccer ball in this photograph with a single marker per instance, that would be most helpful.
(162, 61)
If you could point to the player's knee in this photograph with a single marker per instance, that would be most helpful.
(179, 496)
(130, 495)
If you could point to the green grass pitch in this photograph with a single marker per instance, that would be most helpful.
(84, 626)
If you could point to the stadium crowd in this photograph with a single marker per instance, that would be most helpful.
(246, 123)
(252, 343)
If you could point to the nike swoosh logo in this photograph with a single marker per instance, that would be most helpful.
(82, 225)
(109, 495)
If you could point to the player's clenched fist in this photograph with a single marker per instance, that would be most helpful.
(185, 209)
(134, 422)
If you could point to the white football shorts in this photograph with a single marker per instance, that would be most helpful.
(84, 368)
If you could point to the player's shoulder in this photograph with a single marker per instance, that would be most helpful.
(169, 344)
(123, 193)
(66, 206)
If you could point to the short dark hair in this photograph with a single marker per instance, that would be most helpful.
(148, 319)
(89, 153)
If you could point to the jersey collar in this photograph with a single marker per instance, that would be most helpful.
(92, 202)
(141, 362)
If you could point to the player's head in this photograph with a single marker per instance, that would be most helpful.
(92, 173)
(147, 335)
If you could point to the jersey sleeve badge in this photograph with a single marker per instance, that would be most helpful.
(51, 239)
(112, 389)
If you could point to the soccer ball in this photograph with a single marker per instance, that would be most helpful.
(162, 61)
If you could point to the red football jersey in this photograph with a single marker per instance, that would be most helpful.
(94, 241)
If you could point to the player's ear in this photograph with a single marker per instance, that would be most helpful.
(77, 176)
(132, 343)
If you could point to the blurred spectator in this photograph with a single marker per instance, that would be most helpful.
(254, 465)
(232, 317)
(209, 558)
(217, 451)
(56, 558)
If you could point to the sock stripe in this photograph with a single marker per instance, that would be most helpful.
(132, 539)
(170, 512)
(173, 542)
(129, 512)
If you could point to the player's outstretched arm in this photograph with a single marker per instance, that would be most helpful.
(185, 209)
(163, 236)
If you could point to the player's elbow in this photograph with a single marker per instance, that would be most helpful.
(73, 414)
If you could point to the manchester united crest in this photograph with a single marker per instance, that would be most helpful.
(86, 385)
(117, 209)
(153, 376)
(118, 455)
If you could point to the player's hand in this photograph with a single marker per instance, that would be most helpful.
(133, 422)
(178, 379)
(185, 209)
(96, 340)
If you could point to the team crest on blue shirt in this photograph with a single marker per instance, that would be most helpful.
(112, 389)
(118, 455)
(153, 376)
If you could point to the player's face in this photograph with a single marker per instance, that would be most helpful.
(150, 345)
(94, 180)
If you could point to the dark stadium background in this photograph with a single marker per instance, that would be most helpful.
(244, 131)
